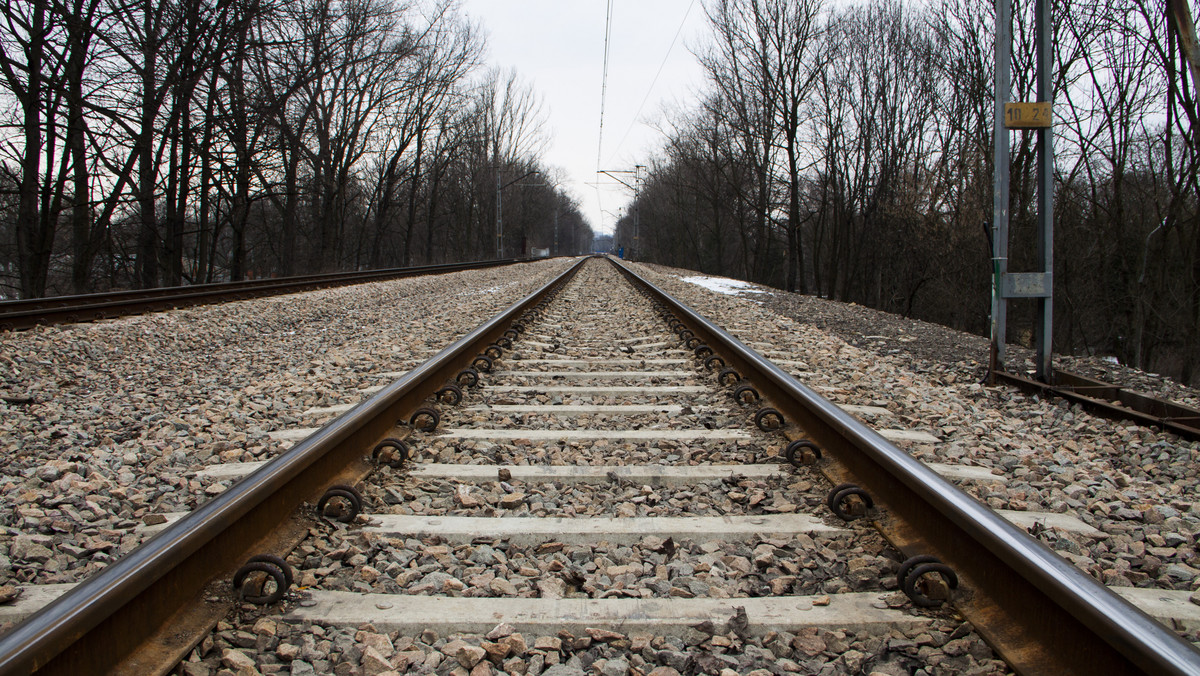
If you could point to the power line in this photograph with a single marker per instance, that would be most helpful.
(603, 93)
(649, 91)
(604, 81)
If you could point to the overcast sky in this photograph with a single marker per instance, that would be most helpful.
(558, 45)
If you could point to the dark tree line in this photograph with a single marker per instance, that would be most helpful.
(154, 142)
(846, 151)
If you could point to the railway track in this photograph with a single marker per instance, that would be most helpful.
(604, 486)
(1111, 401)
(18, 315)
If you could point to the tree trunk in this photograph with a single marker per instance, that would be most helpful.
(290, 208)
(33, 244)
(205, 235)
(796, 277)
(429, 215)
(412, 197)
(1191, 346)
(147, 240)
(171, 226)
(239, 208)
(84, 238)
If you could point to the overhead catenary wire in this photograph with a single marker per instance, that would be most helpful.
(645, 98)
(653, 83)
(603, 94)
(604, 81)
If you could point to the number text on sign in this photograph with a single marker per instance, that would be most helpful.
(1022, 115)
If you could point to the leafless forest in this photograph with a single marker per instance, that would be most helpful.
(840, 149)
(845, 150)
(151, 142)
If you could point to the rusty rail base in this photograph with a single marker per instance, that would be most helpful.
(1110, 401)
(100, 625)
(18, 315)
(1041, 614)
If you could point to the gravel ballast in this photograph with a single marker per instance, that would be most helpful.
(358, 559)
(125, 411)
(1134, 483)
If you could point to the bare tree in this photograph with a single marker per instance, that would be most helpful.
(890, 162)
(746, 94)
(23, 57)
(202, 140)
(782, 39)
(445, 52)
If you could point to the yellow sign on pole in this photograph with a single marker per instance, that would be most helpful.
(1027, 115)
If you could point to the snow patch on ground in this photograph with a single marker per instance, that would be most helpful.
(490, 289)
(729, 287)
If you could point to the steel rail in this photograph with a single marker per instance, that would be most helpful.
(1040, 612)
(1098, 397)
(28, 313)
(100, 625)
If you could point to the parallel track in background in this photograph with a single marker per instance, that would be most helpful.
(17, 315)
(1038, 611)
(1111, 401)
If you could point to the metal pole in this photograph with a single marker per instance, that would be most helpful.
(1185, 30)
(636, 188)
(1000, 182)
(499, 220)
(1044, 327)
(637, 208)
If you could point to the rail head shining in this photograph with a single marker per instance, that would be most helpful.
(102, 621)
(1042, 613)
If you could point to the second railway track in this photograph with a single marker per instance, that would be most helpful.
(603, 497)
(31, 312)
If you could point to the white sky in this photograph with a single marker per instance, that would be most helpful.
(558, 45)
